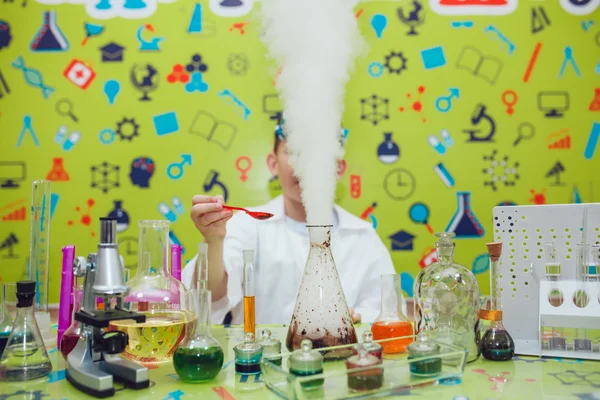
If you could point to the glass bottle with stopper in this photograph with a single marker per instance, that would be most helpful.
(161, 298)
(496, 344)
(423, 346)
(321, 313)
(248, 355)
(372, 347)
(271, 347)
(249, 310)
(369, 379)
(306, 362)
(25, 356)
(446, 295)
(199, 358)
(391, 322)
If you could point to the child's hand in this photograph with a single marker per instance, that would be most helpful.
(209, 216)
(356, 317)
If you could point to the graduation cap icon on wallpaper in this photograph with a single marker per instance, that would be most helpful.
(91, 30)
(112, 52)
(49, 37)
(402, 241)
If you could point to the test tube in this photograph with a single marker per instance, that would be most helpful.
(200, 280)
(581, 299)
(552, 263)
(176, 261)
(249, 316)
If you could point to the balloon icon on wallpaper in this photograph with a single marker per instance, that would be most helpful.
(379, 22)
(111, 89)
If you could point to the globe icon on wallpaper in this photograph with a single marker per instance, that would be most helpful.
(145, 79)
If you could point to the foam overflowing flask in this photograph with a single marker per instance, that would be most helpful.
(321, 313)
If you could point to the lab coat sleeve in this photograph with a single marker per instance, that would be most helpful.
(377, 262)
(241, 235)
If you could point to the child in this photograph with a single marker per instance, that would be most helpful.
(281, 248)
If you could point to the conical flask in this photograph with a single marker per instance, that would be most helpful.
(321, 313)
(25, 356)
(163, 299)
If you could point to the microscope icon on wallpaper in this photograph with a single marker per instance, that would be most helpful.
(478, 121)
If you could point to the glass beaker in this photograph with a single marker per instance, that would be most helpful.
(25, 355)
(391, 322)
(71, 336)
(446, 296)
(321, 312)
(199, 358)
(163, 299)
(9, 296)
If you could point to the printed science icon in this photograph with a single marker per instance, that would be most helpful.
(230, 8)
(473, 7)
(402, 241)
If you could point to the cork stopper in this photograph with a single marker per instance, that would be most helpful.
(495, 249)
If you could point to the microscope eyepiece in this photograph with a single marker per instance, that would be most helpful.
(108, 230)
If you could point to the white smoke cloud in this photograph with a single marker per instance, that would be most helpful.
(316, 42)
(116, 7)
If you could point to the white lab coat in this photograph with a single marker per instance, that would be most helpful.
(281, 248)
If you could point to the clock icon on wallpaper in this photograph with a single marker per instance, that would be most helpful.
(128, 248)
(399, 184)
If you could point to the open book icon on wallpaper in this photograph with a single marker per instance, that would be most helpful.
(480, 65)
(219, 132)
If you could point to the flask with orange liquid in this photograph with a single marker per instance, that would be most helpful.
(391, 322)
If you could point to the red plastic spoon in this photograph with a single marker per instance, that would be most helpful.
(254, 214)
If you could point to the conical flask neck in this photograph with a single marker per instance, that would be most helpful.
(319, 235)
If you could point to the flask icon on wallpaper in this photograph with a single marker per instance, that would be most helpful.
(120, 215)
(388, 151)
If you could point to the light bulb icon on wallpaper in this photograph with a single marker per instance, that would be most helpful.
(388, 151)
(111, 90)
(379, 22)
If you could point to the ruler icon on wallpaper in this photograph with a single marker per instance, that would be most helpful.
(4, 89)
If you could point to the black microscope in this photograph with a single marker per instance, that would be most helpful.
(479, 115)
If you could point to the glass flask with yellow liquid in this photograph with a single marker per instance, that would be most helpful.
(163, 299)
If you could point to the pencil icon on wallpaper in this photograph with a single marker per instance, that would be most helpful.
(532, 60)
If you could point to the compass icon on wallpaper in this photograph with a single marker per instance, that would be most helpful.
(399, 184)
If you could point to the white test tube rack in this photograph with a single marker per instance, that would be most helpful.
(525, 286)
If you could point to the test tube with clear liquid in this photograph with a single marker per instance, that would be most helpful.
(555, 297)
(580, 297)
(39, 252)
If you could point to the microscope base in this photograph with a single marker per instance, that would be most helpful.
(96, 377)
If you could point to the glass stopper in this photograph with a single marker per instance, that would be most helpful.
(248, 337)
(367, 336)
(306, 346)
(266, 334)
(362, 351)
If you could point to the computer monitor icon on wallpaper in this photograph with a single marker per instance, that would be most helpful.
(553, 104)
(11, 174)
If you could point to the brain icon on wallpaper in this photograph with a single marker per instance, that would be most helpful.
(106, 9)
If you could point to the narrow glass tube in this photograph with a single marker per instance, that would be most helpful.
(581, 298)
(249, 310)
(201, 272)
(40, 241)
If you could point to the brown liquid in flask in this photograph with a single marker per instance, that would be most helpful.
(321, 313)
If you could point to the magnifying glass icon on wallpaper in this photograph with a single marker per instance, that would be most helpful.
(419, 213)
(525, 131)
(64, 107)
